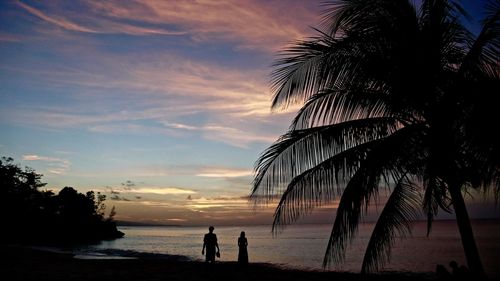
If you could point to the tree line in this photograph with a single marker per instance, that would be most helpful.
(31, 215)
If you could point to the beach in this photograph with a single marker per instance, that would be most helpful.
(303, 246)
(174, 253)
(24, 263)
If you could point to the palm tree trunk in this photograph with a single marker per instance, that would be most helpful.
(466, 234)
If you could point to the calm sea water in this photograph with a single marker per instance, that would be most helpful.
(303, 246)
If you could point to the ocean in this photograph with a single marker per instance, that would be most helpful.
(303, 246)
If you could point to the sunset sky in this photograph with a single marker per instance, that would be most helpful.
(163, 106)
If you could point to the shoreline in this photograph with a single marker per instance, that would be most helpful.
(24, 263)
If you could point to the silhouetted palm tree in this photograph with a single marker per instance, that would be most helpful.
(396, 96)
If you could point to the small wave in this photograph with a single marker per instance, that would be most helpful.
(101, 257)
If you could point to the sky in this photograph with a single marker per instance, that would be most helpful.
(163, 106)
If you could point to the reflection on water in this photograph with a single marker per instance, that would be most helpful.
(303, 246)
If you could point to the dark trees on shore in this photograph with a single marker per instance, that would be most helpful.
(29, 215)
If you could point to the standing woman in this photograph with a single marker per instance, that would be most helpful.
(242, 245)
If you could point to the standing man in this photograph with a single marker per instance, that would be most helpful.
(210, 242)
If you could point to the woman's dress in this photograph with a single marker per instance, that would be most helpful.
(243, 253)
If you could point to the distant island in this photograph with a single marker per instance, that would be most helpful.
(30, 215)
(135, 223)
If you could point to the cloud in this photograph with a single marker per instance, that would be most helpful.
(161, 190)
(161, 204)
(215, 171)
(248, 24)
(160, 89)
(229, 135)
(5, 37)
(103, 26)
(122, 193)
(220, 204)
(224, 173)
(176, 220)
(115, 197)
(33, 157)
(253, 24)
(54, 165)
(128, 184)
(61, 22)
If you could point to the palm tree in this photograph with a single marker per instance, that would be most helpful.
(397, 100)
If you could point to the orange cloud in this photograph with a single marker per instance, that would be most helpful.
(166, 87)
(248, 24)
(61, 22)
(224, 173)
(162, 190)
(255, 24)
(218, 204)
(54, 165)
(101, 25)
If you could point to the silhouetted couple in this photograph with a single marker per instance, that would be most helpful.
(457, 273)
(210, 244)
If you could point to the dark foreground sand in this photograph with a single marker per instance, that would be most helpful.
(29, 264)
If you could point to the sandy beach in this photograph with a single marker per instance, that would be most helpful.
(21, 263)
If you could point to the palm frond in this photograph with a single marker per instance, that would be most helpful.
(435, 197)
(362, 186)
(339, 16)
(399, 211)
(443, 35)
(311, 66)
(320, 185)
(339, 105)
(300, 150)
(391, 154)
(483, 54)
(327, 61)
(358, 191)
(342, 17)
(298, 72)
